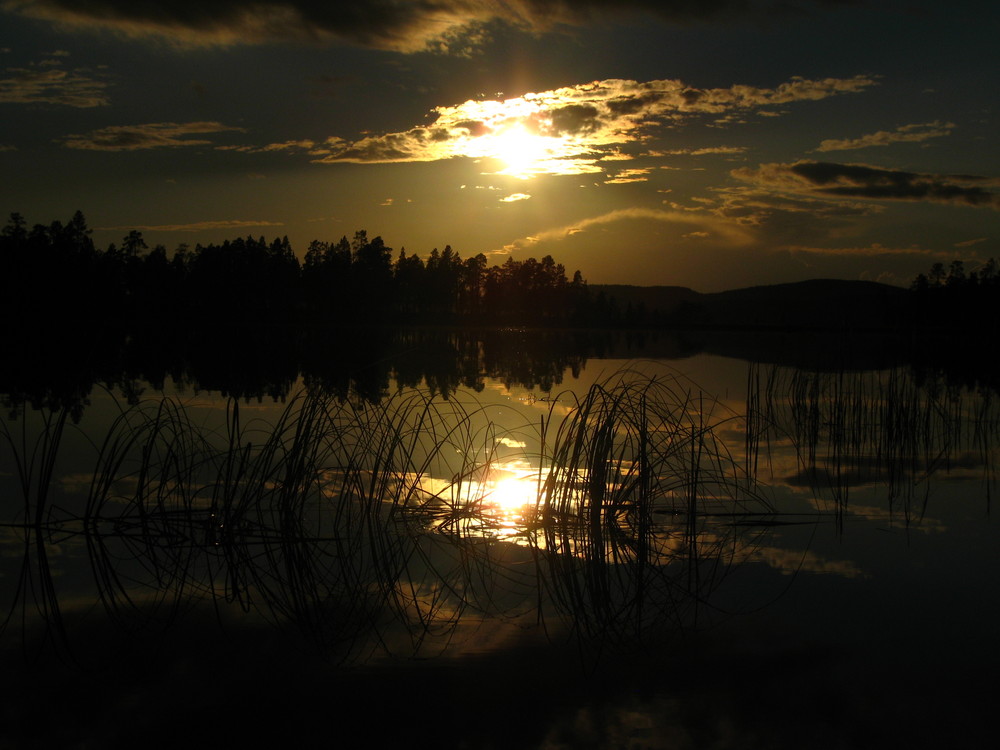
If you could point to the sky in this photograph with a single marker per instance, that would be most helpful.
(714, 145)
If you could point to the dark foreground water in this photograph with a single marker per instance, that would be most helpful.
(685, 553)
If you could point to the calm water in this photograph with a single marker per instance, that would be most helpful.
(700, 552)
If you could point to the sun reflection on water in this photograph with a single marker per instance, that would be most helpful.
(510, 487)
(502, 500)
(510, 496)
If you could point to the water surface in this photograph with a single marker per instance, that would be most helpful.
(633, 552)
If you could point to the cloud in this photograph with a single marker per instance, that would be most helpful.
(198, 226)
(511, 442)
(753, 207)
(570, 130)
(970, 243)
(867, 182)
(778, 219)
(727, 233)
(515, 197)
(789, 241)
(48, 83)
(728, 150)
(790, 561)
(302, 145)
(629, 175)
(904, 134)
(387, 24)
(809, 228)
(149, 135)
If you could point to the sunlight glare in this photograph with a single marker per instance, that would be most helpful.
(512, 491)
(519, 135)
(521, 151)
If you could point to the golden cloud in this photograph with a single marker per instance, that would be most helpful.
(905, 134)
(571, 130)
(728, 234)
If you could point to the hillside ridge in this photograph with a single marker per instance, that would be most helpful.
(820, 303)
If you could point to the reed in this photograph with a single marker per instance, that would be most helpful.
(34, 452)
(887, 428)
(640, 483)
(350, 520)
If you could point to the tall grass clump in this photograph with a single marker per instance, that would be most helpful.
(638, 506)
(355, 522)
(889, 428)
(34, 452)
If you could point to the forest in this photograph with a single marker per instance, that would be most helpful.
(250, 286)
(954, 298)
(249, 283)
(247, 317)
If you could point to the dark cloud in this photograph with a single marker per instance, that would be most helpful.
(392, 24)
(393, 147)
(145, 136)
(691, 96)
(575, 118)
(474, 128)
(48, 83)
(633, 105)
(867, 182)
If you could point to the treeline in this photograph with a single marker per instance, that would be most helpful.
(954, 298)
(249, 282)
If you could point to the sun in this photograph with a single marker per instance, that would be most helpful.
(518, 139)
(522, 152)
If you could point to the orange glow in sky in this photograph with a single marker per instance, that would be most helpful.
(623, 139)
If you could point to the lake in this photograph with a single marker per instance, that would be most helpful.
(641, 544)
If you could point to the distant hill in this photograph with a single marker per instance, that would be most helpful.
(817, 303)
(664, 299)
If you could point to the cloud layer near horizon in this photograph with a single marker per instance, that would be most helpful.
(198, 226)
(867, 182)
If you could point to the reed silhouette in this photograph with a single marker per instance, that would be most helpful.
(348, 518)
(894, 428)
